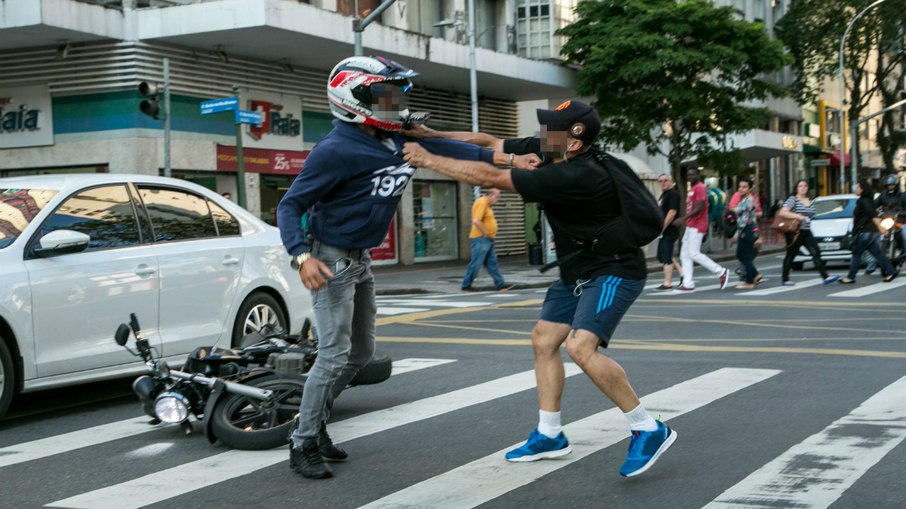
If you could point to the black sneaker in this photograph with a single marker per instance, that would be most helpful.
(307, 460)
(329, 451)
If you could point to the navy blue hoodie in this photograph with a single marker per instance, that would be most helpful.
(352, 182)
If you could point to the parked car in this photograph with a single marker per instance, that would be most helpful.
(831, 224)
(78, 253)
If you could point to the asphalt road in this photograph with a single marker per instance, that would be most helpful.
(781, 397)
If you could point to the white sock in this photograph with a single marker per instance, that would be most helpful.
(549, 423)
(640, 420)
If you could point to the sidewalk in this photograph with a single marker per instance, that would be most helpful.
(446, 277)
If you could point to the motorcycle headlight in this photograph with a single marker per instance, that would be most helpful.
(887, 223)
(171, 407)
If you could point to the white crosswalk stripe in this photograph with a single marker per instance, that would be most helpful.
(815, 472)
(96, 435)
(194, 475)
(484, 479)
(870, 289)
(388, 306)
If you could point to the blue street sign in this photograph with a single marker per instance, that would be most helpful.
(249, 117)
(218, 105)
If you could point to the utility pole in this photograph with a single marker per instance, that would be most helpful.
(167, 170)
(240, 160)
(359, 25)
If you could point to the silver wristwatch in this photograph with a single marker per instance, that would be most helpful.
(298, 260)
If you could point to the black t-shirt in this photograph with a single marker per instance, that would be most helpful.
(578, 197)
(670, 200)
(863, 216)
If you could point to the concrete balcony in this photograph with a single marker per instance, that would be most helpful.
(281, 30)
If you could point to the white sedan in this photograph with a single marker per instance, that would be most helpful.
(78, 253)
(830, 226)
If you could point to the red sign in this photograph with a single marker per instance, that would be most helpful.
(386, 250)
(260, 160)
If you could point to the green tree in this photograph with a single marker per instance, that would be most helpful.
(681, 72)
(874, 56)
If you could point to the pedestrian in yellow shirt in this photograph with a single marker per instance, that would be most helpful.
(484, 229)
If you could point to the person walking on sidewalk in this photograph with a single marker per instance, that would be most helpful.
(867, 229)
(799, 206)
(352, 183)
(670, 204)
(583, 307)
(696, 220)
(746, 232)
(484, 229)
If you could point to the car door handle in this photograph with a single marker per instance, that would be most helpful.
(144, 270)
(229, 260)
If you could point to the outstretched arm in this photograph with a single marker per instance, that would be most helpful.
(481, 139)
(476, 173)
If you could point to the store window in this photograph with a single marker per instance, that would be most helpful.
(434, 205)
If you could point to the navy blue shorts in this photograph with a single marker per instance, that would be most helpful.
(598, 308)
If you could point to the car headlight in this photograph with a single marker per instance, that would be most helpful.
(171, 407)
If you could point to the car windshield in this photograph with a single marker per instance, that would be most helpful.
(18, 207)
(834, 208)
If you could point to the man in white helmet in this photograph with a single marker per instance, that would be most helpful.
(351, 184)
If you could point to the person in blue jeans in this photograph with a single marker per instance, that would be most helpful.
(351, 187)
(484, 229)
(746, 232)
(600, 275)
(867, 229)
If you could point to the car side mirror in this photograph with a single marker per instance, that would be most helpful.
(122, 334)
(60, 242)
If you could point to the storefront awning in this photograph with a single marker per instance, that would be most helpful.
(835, 159)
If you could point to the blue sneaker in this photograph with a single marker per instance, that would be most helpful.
(645, 447)
(831, 279)
(539, 447)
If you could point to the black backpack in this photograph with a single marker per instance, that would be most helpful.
(641, 219)
(639, 223)
(727, 223)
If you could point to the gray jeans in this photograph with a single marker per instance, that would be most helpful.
(345, 310)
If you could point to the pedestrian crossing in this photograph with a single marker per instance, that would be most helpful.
(814, 473)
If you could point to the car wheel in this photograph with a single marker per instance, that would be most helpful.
(798, 265)
(7, 378)
(258, 310)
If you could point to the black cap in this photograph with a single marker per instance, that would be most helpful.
(579, 119)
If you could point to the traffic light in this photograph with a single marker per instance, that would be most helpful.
(149, 105)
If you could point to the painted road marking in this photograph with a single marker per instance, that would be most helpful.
(483, 480)
(188, 477)
(781, 289)
(870, 289)
(815, 472)
(393, 310)
(59, 444)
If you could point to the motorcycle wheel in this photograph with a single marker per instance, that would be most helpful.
(242, 422)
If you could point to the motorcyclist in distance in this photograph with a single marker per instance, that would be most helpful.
(891, 201)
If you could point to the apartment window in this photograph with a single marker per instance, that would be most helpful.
(533, 25)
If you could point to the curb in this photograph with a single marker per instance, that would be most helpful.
(544, 284)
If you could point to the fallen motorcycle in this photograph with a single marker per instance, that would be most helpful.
(246, 398)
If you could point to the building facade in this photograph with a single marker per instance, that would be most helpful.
(69, 99)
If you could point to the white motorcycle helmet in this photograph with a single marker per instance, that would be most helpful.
(368, 90)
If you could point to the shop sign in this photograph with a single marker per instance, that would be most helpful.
(281, 125)
(26, 117)
(268, 161)
(385, 253)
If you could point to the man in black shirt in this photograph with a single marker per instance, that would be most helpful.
(670, 206)
(594, 291)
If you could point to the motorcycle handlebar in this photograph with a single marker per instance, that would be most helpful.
(233, 387)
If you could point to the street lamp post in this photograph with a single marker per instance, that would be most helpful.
(852, 140)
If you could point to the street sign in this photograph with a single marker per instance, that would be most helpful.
(819, 162)
(218, 105)
(249, 117)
